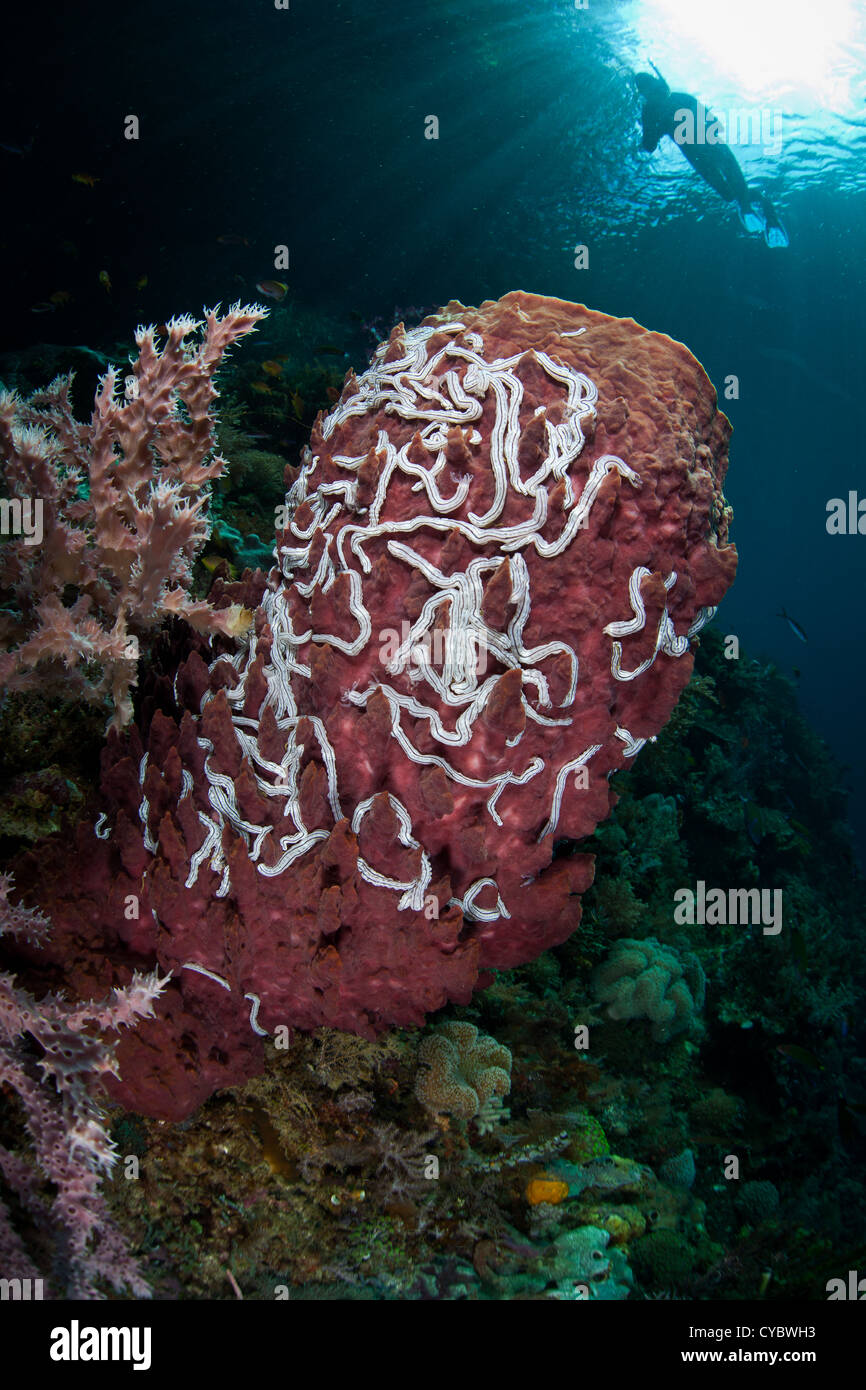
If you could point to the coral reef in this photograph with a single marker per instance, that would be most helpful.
(312, 1176)
(310, 1208)
(326, 1175)
(552, 589)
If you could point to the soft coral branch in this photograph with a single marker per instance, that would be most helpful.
(112, 564)
(51, 1064)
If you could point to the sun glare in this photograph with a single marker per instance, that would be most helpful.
(766, 47)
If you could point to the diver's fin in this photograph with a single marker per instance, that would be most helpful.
(766, 220)
(774, 231)
(751, 217)
(776, 236)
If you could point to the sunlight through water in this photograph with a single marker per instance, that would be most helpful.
(767, 48)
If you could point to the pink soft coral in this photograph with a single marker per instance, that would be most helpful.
(72, 1149)
(117, 511)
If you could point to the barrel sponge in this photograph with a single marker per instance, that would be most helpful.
(461, 1070)
(644, 979)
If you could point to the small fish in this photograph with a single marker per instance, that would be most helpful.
(14, 147)
(714, 731)
(236, 620)
(272, 367)
(58, 300)
(753, 821)
(105, 281)
(332, 393)
(298, 405)
(796, 1053)
(213, 563)
(232, 239)
(89, 180)
(329, 349)
(272, 289)
(793, 625)
(263, 388)
(141, 282)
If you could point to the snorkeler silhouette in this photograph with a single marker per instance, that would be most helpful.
(663, 111)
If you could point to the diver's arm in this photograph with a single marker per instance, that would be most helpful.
(653, 130)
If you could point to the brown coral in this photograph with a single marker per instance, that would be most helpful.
(462, 1070)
